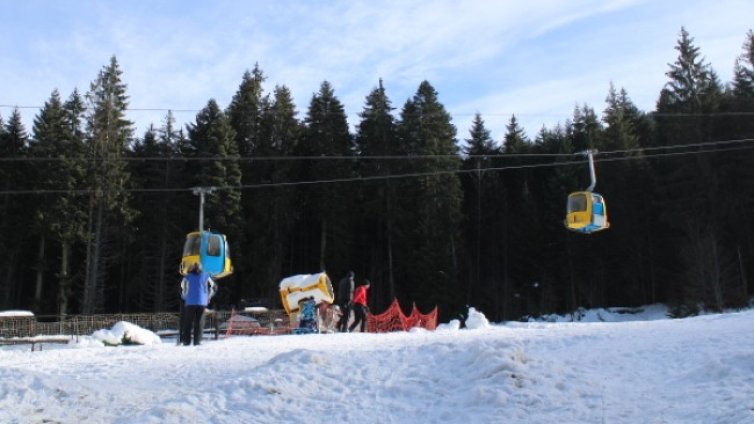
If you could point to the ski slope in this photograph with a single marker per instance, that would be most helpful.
(693, 370)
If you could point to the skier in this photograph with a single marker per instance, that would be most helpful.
(345, 295)
(197, 289)
(360, 308)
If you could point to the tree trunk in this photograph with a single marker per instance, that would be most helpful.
(91, 288)
(744, 281)
(40, 272)
(64, 287)
(391, 276)
(89, 257)
(716, 277)
(322, 245)
(9, 289)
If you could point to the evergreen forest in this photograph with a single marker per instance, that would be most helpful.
(93, 216)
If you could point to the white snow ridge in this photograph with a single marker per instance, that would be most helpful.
(611, 370)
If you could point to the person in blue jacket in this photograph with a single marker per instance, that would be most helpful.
(197, 289)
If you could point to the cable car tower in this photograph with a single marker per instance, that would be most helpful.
(208, 248)
(586, 211)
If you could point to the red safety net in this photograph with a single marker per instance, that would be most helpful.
(393, 319)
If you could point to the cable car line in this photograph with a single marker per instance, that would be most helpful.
(357, 158)
(390, 177)
(648, 114)
(354, 158)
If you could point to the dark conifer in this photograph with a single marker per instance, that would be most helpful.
(61, 219)
(213, 142)
(108, 136)
(326, 134)
(482, 209)
(13, 145)
(686, 114)
(432, 229)
(376, 137)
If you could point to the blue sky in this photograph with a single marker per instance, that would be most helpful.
(534, 59)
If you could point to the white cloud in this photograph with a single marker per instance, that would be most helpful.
(533, 59)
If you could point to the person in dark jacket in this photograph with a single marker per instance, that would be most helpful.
(360, 308)
(197, 289)
(345, 295)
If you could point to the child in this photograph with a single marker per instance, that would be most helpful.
(307, 320)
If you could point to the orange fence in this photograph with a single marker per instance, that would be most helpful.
(275, 322)
(393, 319)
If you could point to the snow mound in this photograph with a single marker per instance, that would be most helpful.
(476, 320)
(453, 325)
(124, 333)
(615, 314)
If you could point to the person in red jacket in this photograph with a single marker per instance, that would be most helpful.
(360, 307)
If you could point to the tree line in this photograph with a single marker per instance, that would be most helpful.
(93, 217)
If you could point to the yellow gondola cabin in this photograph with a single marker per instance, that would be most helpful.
(586, 212)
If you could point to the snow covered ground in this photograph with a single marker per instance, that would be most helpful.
(646, 370)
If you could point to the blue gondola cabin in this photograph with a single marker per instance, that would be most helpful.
(211, 250)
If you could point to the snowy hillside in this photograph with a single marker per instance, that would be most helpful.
(694, 370)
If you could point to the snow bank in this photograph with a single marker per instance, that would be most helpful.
(691, 370)
(475, 320)
(616, 314)
(123, 333)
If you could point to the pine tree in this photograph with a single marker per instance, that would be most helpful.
(741, 96)
(213, 141)
(158, 235)
(74, 212)
(586, 128)
(246, 110)
(61, 218)
(515, 141)
(326, 134)
(272, 214)
(482, 209)
(282, 133)
(628, 189)
(744, 75)
(517, 218)
(737, 171)
(545, 194)
(245, 115)
(432, 231)
(376, 136)
(685, 114)
(13, 144)
(108, 137)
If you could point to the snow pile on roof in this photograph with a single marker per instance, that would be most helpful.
(123, 333)
(5, 314)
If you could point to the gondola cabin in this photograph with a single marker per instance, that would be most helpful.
(211, 250)
(586, 212)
